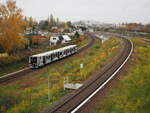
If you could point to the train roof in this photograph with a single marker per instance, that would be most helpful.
(53, 51)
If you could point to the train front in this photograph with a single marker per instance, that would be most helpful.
(33, 62)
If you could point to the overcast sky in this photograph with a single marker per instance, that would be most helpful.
(112, 11)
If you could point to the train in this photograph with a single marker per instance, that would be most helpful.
(42, 59)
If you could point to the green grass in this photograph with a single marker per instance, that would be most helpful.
(30, 92)
(13, 67)
(132, 95)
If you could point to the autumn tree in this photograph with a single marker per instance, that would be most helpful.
(81, 37)
(11, 26)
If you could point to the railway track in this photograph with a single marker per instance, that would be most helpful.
(15, 75)
(78, 98)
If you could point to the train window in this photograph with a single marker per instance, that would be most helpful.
(33, 59)
(56, 54)
(48, 57)
(53, 55)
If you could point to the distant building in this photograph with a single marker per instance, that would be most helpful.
(103, 38)
(60, 39)
(91, 30)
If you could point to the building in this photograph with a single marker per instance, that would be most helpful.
(59, 39)
(37, 39)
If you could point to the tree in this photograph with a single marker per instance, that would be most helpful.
(43, 24)
(76, 35)
(51, 20)
(31, 22)
(69, 24)
(11, 26)
(57, 21)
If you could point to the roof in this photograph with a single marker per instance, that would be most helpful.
(66, 37)
(38, 37)
(52, 51)
(63, 37)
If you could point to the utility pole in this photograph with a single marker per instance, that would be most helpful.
(81, 67)
(64, 82)
(48, 89)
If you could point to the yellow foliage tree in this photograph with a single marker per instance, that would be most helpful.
(82, 37)
(11, 26)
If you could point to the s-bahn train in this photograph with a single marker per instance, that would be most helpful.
(39, 60)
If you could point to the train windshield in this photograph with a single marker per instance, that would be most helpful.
(33, 60)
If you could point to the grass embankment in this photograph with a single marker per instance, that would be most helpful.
(132, 95)
(29, 95)
(19, 61)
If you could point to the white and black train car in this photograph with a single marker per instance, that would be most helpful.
(36, 61)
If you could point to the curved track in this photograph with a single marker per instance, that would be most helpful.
(9, 77)
(77, 98)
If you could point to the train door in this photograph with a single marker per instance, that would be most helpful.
(58, 55)
(51, 57)
(44, 59)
